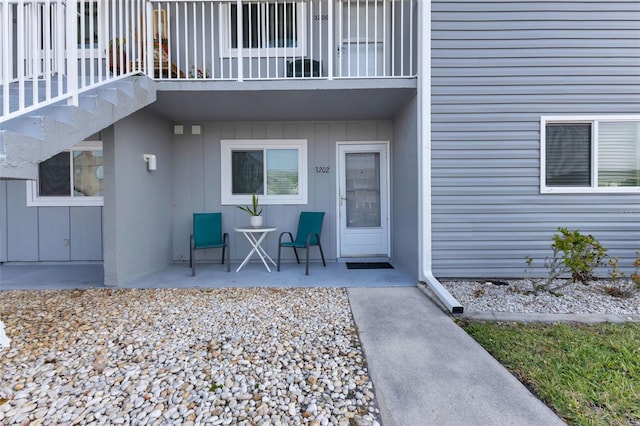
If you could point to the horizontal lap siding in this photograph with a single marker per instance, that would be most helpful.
(496, 68)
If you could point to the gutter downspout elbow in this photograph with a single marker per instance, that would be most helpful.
(445, 297)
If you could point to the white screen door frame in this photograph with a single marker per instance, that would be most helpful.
(362, 208)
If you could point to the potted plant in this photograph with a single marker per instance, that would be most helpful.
(114, 55)
(255, 218)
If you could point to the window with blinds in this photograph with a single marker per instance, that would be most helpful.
(275, 170)
(590, 154)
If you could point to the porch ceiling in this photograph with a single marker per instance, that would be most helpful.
(283, 100)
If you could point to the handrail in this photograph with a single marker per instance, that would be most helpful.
(52, 56)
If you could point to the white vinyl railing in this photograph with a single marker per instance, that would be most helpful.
(53, 50)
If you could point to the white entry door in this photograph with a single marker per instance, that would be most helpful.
(363, 203)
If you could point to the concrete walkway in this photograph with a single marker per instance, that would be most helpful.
(428, 371)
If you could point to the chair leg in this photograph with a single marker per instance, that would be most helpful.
(279, 248)
(322, 254)
(193, 262)
(296, 253)
(307, 268)
(190, 251)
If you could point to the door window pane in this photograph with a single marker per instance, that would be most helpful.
(363, 189)
(54, 176)
(247, 172)
(568, 154)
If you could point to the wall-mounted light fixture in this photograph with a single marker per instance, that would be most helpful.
(150, 159)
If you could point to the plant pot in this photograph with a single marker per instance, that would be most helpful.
(255, 221)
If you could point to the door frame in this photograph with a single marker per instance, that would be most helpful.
(385, 185)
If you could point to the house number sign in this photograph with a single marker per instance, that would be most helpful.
(320, 17)
(322, 170)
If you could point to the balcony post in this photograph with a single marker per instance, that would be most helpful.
(240, 42)
(330, 44)
(149, 61)
(5, 60)
(72, 51)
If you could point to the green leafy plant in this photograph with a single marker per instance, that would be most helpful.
(581, 254)
(214, 387)
(253, 209)
(573, 253)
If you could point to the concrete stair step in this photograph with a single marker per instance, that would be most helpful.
(25, 141)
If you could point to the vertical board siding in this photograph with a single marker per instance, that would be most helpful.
(497, 66)
(196, 181)
(85, 233)
(22, 225)
(53, 234)
(3, 221)
(32, 234)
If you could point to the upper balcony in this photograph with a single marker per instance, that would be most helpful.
(52, 50)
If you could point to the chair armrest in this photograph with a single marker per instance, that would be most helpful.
(191, 242)
(282, 234)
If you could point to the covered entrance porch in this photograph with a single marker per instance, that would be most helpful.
(57, 276)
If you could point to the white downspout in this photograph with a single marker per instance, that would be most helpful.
(424, 159)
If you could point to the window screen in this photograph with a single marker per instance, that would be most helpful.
(568, 154)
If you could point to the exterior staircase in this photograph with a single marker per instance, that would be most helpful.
(36, 136)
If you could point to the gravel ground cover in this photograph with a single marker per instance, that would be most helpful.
(191, 356)
(513, 296)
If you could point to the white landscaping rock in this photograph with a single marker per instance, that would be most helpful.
(189, 356)
(575, 298)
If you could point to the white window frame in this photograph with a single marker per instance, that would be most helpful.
(594, 120)
(35, 200)
(275, 52)
(229, 145)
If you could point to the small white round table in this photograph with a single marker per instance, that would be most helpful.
(256, 235)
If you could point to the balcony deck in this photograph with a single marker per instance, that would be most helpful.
(213, 45)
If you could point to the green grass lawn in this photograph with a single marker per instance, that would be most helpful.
(588, 374)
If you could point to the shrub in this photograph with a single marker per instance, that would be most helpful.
(573, 253)
(620, 285)
(581, 254)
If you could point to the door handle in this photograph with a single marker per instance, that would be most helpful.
(342, 199)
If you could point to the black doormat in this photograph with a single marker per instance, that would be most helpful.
(369, 265)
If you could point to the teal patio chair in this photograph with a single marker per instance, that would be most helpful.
(207, 234)
(309, 230)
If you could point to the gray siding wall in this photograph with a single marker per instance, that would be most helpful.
(497, 67)
(137, 225)
(30, 234)
(404, 191)
(196, 180)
